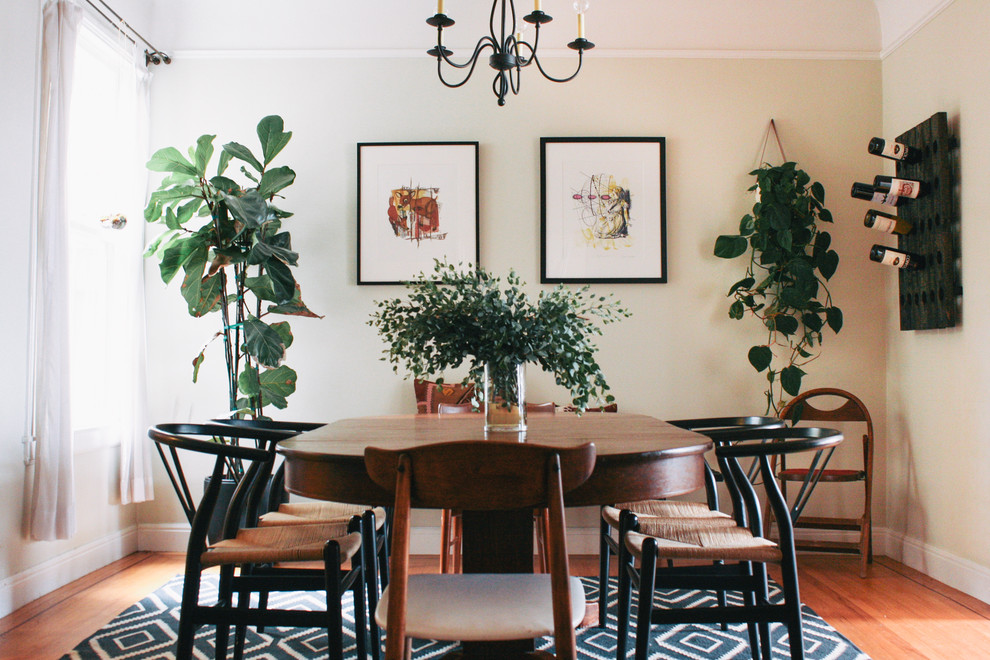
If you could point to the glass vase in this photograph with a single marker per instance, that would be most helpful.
(505, 397)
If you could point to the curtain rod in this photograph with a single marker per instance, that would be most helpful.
(153, 56)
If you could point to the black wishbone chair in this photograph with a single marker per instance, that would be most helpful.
(277, 511)
(611, 516)
(740, 553)
(265, 555)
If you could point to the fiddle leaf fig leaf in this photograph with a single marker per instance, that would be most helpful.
(203, 154)
(170, 160)
(273, 138)
(239, 151)
(263, 342)
(276, 385)
(197, 362)
(275, 180)
(248, 383)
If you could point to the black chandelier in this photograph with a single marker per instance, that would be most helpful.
(510, 53)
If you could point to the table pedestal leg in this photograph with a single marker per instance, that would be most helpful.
(498, 542)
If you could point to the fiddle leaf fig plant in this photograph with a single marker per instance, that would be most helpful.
(790, 262)
(226, 239)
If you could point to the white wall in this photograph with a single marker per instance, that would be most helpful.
(939, 433)
(679, 355)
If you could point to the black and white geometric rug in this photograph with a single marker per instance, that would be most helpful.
(147, 631)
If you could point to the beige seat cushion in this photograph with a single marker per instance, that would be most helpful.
(685, 541)
(663, 509)
(262, 545)
(307, 513)
(481, 606)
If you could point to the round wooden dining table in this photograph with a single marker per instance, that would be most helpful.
(639, 457)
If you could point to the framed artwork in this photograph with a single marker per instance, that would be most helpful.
(603, 210)
(417, 201)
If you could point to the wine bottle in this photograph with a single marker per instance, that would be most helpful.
(894, 150)
(890, 185)
(889, 256)
(886, 222)
(870, 194)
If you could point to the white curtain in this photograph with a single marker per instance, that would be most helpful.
(53, 513)
(131, 428)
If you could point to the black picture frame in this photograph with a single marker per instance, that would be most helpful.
(603, 211)
(417, 201)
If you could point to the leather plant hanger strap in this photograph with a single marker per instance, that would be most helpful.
(771, 129)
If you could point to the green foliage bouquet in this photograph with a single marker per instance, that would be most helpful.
(227, 240)
(790, 261)
(455, 314)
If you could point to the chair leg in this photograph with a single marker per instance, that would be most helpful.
(604, 557)
(369, 550)
(445, 534)
(335, 621)
(225, 599)
(647, 583)
(187, 628)
(624, 597)
(792, 600)
(240, 630)
(457, 524)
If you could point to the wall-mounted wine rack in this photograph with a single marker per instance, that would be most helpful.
(928, 296)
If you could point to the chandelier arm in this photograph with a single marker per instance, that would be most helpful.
(514, 81)
(559, 80)
(482, 44)
(491, 23)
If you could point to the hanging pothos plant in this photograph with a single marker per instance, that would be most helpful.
(785, 284)
(226, 238)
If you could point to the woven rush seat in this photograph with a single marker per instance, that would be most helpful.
(678, 541)
(307, 513)
(664, 509)
(281, 544)
(480, 607)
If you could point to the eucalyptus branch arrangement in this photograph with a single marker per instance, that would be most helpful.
(227, 240)
(785, 284)
(459, 313)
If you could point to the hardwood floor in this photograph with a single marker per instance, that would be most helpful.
(895, 612)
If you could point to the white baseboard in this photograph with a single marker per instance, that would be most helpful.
(22, 588)
(966, 576)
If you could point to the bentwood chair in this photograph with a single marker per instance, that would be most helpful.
(262, 553)
(708, 511)
(278, 512)
(480, 476)
(832, 405)
(738, 554)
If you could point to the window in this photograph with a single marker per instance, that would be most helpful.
(104, 179)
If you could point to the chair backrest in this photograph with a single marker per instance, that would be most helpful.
(810, 406)
(430, 394)
(763, 445)
(608, 407)
(480, 476)
(541, 408)
(454, 408)
(224, 442)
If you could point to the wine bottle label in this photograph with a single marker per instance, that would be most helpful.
(896, 259)
(893, 149)
(884, 224)
(905, 188)
(883, 198)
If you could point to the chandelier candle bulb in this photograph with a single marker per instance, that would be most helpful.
(897, 258)
(893, 150)
(886, 222)
(901, 187)
(871, 194)
(439, 6)
(537, 5)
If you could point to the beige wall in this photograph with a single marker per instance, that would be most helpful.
(679, 355)
(938, 441)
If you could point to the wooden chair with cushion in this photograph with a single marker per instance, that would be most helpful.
(430, 394)
(708, 511)
(831, 405)
(278, 511)
(480, 476)
(267, 552)
(737, 555)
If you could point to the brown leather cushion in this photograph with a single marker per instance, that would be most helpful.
(430, 394)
